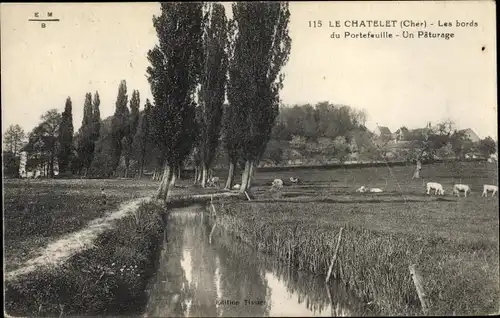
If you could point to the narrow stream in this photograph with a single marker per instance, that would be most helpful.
(199, 276)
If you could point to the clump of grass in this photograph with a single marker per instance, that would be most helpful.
(459, 277)
(109, 278)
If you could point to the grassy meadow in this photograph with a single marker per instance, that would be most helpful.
(108, 279)
(39, 211)
(453, 241)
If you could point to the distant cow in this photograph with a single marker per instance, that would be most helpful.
(214, 182)
(457, 188)
(236, 187)
(277, 184)
(487, 188)
(294, 180)
(375, 190)
(437, 187)
(362, 189)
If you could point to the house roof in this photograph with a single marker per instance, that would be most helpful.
(384, 130)
(470, 132)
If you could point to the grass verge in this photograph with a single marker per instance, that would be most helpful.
(461, 276)
(110, 278)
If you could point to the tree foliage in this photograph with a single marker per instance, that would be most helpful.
(132, 123)
(213, 82)
(14, 139)
(42, 146)
(86, 143)
(487, 146)
(173, 76)
(119, 124)
(65, 137)
(260, 48)
(142, 139)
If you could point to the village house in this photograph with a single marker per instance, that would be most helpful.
(383, 133)
(470, 134)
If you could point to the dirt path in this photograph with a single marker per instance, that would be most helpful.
(59, 251)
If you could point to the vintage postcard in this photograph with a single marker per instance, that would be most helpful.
(206, 159)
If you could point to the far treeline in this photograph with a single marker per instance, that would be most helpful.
(202, 60)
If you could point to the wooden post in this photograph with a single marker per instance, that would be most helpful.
(248, 197)
(331, 300)
(417, 280)
(334, 255)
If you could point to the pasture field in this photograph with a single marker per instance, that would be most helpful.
(39, 211)
(453, 241)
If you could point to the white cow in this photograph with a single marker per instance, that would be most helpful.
(294, 180)
(489, 187)
(214, 181)
(362, 189)
(277, 184)
(236, 187)
(457, 188)
(437, 187)
(375, 190)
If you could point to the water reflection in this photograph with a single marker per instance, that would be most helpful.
(228, 278)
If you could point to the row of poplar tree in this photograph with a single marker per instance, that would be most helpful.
(201, 58)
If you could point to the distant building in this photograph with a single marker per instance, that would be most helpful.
(383, 132)
(469, 133)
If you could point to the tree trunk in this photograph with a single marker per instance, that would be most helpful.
(173, 178)
(250, 175)
(198, 180)
(163, 189)
(416, 173)
(244, 177)
(179, 172)
(52, 167)
(195, 174)
(204, 176)
(229, 182)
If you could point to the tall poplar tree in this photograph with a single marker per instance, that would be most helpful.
(65, 137)
(261, 48)
(85, 142)
(133, 121)
(213, 84)
(141, 143)
(119, 124)
(173, 75)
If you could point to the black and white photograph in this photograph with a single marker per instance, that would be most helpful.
(250, 159)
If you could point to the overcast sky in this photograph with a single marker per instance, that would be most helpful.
(398, 81)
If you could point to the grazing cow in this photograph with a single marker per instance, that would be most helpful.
(294, 180)
(457, 188)
(489, 187)
(362, 189)
(236, 187)
(375, 190)
(214, 182)
(437, 187)
(277, 184)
